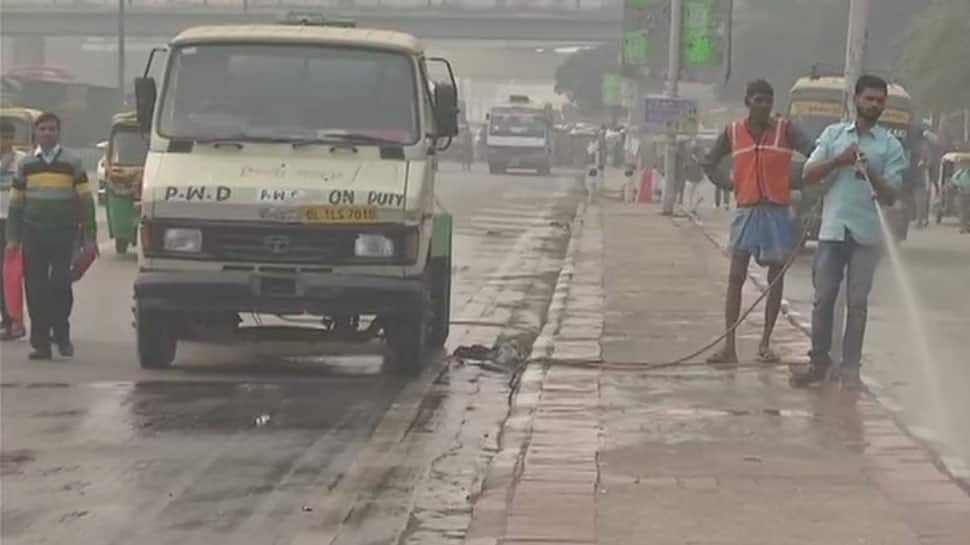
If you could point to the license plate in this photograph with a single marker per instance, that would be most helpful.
(340, 214)
(278, 286)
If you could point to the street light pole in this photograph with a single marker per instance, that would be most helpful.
(855, 50)
(121, 50)
(855, 56)
(673, 77)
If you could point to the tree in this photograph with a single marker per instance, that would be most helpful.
(580, 76)
(935, 55)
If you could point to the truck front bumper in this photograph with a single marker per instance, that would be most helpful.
(262, 293)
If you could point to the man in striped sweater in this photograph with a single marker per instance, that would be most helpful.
(51, 206)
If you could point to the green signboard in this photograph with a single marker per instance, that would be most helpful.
(705, 41)
(636, 48)
(700, 40)
(645, 27)
(612, 89)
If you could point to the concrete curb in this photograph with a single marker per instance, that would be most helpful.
(955, 468)
(490, 510)
(543, 346)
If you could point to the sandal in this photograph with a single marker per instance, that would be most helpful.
(767, 355)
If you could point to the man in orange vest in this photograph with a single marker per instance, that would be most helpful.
(761, 148)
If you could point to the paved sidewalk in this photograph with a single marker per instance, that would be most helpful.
(692, 455)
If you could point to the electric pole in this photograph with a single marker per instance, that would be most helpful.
(855, 50)
(673, 77)
(855, 57)
(121, 50)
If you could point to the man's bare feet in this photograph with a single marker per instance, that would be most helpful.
(723, 357)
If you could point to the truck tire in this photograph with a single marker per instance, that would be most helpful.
(406, 340)
(155, 338)
(121, 246)
(440, 300)
(496, 169)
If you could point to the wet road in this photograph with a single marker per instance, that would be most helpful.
(928, 393)
(242, 445)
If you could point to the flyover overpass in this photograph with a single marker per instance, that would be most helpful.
(558, 21)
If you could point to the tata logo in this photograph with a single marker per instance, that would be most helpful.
(277, 244)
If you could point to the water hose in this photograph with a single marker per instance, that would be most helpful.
(686, 361)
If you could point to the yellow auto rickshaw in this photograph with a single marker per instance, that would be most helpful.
(124, 165)
(23, 121)
(947, 196)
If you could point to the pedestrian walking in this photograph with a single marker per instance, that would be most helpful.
(51, 208)
(761, 147)
(693, 175)
(961, 181)
(10, 160)
(863, 163)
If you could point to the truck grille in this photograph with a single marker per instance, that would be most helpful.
(278, 245)
(284, 244)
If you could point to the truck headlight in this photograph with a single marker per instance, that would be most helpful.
(368, 245)
(183, 240)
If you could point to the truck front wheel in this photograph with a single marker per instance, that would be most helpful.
(405, 338)
(156, 340)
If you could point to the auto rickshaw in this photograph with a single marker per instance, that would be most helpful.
(947, 196)
(124, 166)
(23, 121)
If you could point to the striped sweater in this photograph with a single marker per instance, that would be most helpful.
(51, 197)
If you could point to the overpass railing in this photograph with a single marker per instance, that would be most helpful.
(361, 5)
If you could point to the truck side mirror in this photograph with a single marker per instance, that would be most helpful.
(145, 95)
(446, 110)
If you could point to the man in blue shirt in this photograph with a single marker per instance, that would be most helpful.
(863, 163)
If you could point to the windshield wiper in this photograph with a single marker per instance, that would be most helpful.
(313, 142)
(239, 139)
(360, 138)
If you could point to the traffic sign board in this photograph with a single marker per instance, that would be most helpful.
(671, 114)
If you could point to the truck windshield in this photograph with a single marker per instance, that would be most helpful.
(128, 147)
(284, 92)
(511, 123)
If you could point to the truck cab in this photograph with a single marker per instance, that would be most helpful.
(291, 173)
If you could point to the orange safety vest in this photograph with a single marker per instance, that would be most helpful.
(762, 168)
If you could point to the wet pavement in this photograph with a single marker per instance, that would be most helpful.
(616, 452)
(930, 396)
(249, 445)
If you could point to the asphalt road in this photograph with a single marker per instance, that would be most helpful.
(927, 391)
(243, 445)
